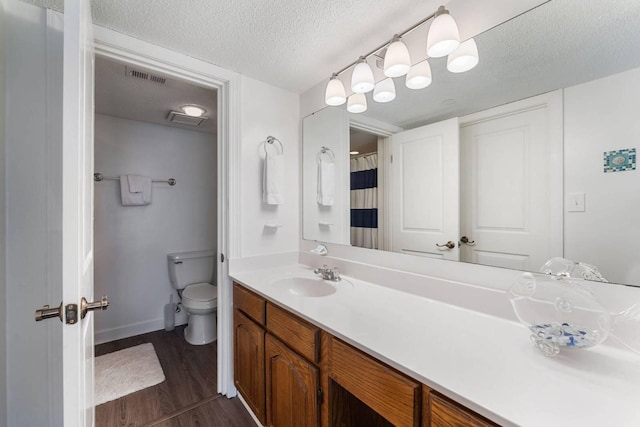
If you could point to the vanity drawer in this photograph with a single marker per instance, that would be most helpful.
(298, 334)
(446, 413)
(389, 393)
(249, 303)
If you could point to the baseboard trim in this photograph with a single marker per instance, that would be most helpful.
(255, 419)
(126, 331)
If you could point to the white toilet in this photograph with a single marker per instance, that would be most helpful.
(192, 272)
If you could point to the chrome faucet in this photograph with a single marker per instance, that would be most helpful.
(328, 273)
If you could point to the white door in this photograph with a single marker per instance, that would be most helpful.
(511, 180)
(424, 190)
(77, 210)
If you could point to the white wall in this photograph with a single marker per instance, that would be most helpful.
(131, 243)
(268, 111)
(33, 190)
(602, 115)
(3, 299)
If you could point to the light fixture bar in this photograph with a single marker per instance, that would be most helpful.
(385, 44)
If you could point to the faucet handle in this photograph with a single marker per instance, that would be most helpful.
(336, 274)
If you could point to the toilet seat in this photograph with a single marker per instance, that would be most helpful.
(200, 296)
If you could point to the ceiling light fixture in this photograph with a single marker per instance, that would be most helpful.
(443, 39)
(354, 153)
(193, 110)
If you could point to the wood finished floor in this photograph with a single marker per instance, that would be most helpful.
(188, 395)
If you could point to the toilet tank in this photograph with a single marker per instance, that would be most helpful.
(187, 268)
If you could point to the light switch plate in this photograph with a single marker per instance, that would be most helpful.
(575, 202)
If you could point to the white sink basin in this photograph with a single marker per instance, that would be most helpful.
(305, 286)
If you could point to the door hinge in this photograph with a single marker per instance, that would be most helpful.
(221, 257)
(391, 158)
(320, 396)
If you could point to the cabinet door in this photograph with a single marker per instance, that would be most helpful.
(446, 413)
(249, 363)
(292, 387)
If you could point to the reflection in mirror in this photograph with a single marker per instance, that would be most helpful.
(481, 168)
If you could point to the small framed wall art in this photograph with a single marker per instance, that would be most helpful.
(620, 160)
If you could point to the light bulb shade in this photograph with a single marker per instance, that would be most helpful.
(362, 77)
(464, 57)
(357, 103)
(384, 91)
(397, 60)
(335, 94)
(419, 76)
(443, 37)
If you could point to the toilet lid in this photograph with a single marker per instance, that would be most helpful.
(201, 292)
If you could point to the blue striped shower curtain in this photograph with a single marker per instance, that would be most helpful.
(364, 201)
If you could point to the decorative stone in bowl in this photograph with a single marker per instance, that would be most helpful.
(560, 312)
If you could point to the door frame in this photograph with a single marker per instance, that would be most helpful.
(117, 46)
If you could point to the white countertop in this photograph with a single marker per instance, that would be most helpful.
(484, 362)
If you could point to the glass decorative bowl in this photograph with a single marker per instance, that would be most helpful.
(559, 312)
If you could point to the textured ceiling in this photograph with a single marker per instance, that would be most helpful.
(292, 44)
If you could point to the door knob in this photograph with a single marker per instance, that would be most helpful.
(448, 245)
(466, 241)
(95, 305)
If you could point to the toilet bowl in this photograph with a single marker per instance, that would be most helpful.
(201, 302)
(191, 273)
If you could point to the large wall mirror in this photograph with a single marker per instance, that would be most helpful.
(529, 156)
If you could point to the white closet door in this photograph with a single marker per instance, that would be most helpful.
(511, 177)
(424, 190)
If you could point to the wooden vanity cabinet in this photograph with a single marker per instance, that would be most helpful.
(292, 387)
(248, 355)
(275, 362)
(440, 411)
(291, 373)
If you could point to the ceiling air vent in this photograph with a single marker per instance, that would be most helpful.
(183, 119)
(143, 75)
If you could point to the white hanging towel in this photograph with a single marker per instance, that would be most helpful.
(273, 179)
(326, 181)
(135, 190)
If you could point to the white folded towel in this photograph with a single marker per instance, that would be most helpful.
(135, 190)
(326, 181)
(273, 179)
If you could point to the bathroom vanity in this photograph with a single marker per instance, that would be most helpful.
(281, 359)
(357, 351)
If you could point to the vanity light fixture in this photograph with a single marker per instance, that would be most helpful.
(362, 80)
(193, 110)
(397, 61)
(385, 91)
(419, 76)
(335, 94)
(357, 103)
(443, 39)
(464, 58)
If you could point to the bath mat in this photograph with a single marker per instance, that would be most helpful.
(126, 371)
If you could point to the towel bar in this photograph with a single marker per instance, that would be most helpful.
(99, 177)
